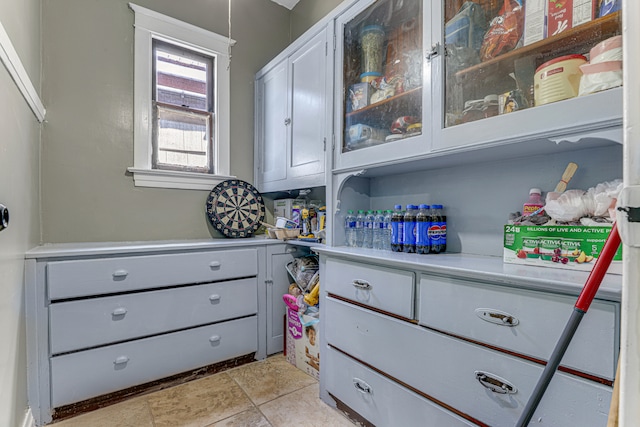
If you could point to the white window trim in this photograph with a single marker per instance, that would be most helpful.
(151, 25)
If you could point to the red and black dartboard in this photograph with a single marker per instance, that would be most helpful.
(235, 208)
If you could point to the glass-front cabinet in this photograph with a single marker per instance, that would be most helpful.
(416, 78)
(383, 90)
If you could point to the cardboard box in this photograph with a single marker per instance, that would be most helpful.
(569, 247)
(303, 342)
(282, 208)
(535, 21)
(358, 96)
(565, 14)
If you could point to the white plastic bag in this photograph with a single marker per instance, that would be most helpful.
(605, 196)
(570, 206)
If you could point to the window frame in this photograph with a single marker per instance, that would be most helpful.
(150, 25)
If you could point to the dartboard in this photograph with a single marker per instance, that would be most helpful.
(235, 208)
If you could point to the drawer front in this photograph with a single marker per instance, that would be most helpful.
(383, 288)
(69, 279)
(92, 322)
(82, 375)
(445, 368)
(380, 400)
(489, 314)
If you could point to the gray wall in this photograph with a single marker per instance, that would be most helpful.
(19, 190)
(308, 12)
(87, 195)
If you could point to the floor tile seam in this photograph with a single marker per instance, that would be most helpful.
(283, 395)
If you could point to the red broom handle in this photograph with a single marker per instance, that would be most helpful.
(599, 270)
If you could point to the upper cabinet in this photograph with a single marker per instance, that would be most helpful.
(293, 119)
(416, 80)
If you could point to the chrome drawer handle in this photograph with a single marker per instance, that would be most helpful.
(214, 339)
(120, 360)
(215, 264)
(120, 274)
(121, 311)
(495, 383)
(496, 316)
(362, 386)
(214, 298)
(362, 284)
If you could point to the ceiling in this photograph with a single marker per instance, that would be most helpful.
(289, 4)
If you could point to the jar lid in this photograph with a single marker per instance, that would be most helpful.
(370, 73)
(560, 59)
(372, 28)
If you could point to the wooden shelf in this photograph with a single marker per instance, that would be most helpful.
(392, 100)
(575, 40)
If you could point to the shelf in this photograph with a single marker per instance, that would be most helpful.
(575, 40)
(404, 104)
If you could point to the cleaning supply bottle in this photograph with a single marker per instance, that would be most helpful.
(534, 203)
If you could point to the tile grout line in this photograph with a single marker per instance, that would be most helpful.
(251, 400)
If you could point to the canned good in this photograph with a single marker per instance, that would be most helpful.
(558, 79)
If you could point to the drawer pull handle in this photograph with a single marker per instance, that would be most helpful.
(214, 298)
(215, 264)
(214, 339)
(120, 311)
(120, 274)
(495, 383)
(121, 360)
(362, 386)
(362, 284)
(496, 316)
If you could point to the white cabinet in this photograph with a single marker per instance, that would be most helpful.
(293, 116)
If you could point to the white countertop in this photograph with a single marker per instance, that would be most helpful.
(484, 268)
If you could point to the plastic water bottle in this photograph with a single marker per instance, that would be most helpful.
(360, 228)
(397, 229)
(378, 230)
(409, 230)
(386, 236)
(423, 219)
(350, 229)
(369, 218)
(438, 230)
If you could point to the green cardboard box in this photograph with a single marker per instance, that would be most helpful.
(569, 247)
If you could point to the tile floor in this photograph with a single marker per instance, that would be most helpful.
(267, 393)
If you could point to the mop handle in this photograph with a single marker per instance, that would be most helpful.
(599, 270)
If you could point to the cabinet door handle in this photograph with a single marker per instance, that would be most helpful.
(121, 360)
(495, 383)
(362, 284)
(435, 50)
(215, 264)
(120, 274)
(120, 311)
(496, 316)
(287, 121)
(362, 386)
(214, 339)
(214, 298)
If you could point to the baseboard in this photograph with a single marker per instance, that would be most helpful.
(28, 421)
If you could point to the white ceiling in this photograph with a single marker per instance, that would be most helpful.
(289, 4)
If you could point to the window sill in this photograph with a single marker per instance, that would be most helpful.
(172, 179)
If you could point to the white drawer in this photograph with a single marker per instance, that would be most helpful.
(69, 279)
(487, 313)
(383, 288)
(380, 400)
(445, 369)
(82, 375)
(91, 322)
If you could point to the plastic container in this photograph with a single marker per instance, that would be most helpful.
(604, 70)
(423, 220)
(360, 228)
(386, 242)
(350, 229)
(438, 230)
(558, 79)
(367, 241)
(378, 230)
(409, 230)
(534, 203)
(371, 42)
(397, 229)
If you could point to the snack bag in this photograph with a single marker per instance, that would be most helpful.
(504, 30)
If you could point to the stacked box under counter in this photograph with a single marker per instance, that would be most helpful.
(106, 317)
(414, 342)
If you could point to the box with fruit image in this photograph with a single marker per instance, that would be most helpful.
(558, 246)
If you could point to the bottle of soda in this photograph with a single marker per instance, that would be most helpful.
(409, 230)
(397, 229)
(423, 219)
(360, 228)
(437, 230)
(368, 229)
(350, 229)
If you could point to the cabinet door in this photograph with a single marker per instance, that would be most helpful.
(307, 74)
(492, 91)
(273, 125)
(277, 285)
(382, 93)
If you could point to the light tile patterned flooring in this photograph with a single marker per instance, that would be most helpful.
(266, 393)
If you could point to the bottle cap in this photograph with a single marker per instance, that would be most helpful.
(423, 206)
(411, 206)
(349, 211)
(437, 206)
(398, 207)
(535, 191)
(360, 211)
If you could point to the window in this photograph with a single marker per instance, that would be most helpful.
(181, 104)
